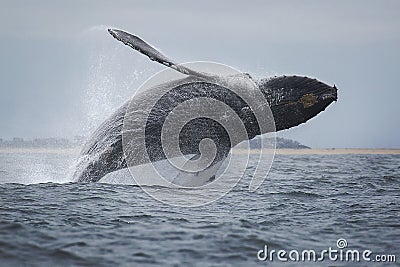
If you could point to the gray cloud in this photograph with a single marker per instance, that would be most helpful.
(62, 74)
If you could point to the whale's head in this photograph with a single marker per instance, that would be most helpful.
(294, 100)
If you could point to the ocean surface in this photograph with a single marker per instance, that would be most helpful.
(307, 202)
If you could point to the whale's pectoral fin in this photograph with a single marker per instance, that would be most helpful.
(141, 46)
(197, 178)
(155, 55)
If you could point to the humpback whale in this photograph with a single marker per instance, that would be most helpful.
(292, 100)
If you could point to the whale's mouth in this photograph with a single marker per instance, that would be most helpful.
(332, 95)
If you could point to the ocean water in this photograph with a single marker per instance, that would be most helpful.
(307, 202)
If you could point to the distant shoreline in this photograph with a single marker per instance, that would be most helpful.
(280, 151)
(329, 151)
(40, 150)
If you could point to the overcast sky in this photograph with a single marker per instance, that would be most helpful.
(62, 73)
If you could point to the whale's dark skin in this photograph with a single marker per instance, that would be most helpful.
(293, 100)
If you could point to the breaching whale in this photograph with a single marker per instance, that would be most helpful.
(292, 100)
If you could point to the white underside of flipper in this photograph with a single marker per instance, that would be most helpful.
(196, 179)
(163, 173)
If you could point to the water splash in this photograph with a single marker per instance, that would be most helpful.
(114, 74)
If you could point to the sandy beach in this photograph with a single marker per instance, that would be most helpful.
(328, 151)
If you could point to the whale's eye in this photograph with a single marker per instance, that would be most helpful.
(248, 75)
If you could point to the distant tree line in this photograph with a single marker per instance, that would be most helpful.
(43, 142)
(280, 143)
